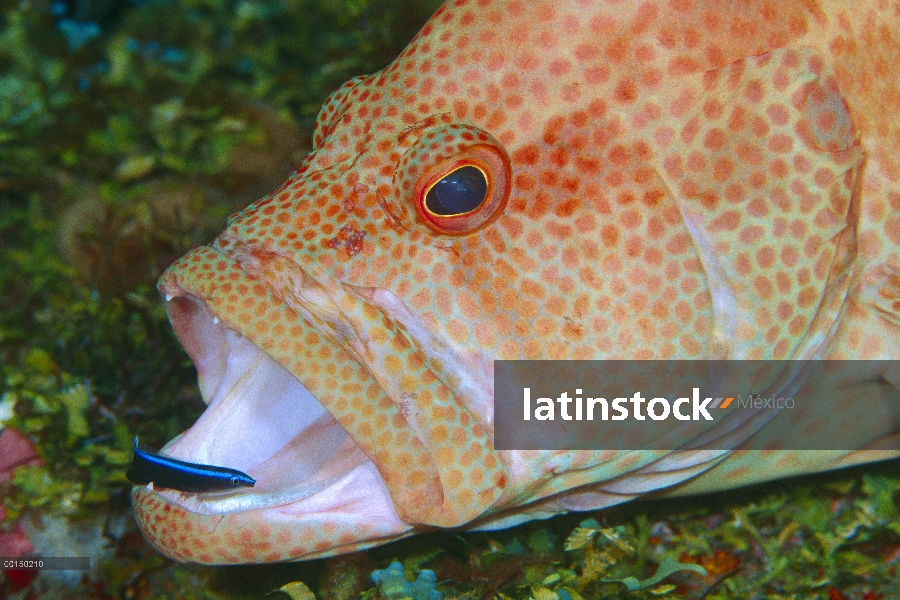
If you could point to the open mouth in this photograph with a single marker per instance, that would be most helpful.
(350, 413)
(260, 420)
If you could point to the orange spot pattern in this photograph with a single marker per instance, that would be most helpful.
(686, 180)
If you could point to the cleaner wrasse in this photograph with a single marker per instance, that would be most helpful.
(644, 179)
(164, 472)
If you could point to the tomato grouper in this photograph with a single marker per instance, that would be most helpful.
(581, 179)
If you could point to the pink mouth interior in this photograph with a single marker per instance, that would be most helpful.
(261, 420)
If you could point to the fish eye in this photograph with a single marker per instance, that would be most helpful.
(459, 192)
(235, 481)
(464, 192)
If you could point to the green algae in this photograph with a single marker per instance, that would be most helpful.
(117, 157)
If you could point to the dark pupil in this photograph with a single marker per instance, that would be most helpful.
(459, 192)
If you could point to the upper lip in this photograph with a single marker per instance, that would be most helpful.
(342, 313)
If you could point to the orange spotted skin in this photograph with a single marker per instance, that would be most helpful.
(668, 179)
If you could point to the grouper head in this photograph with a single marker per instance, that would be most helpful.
(531, 180)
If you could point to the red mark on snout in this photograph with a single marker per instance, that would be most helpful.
(348, 237)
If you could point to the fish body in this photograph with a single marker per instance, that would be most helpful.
(646, 180)
(165, 472)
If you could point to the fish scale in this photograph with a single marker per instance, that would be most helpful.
(674, 179)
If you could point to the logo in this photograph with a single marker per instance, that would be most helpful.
(657, 409)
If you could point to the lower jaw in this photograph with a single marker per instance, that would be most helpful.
(335, 519)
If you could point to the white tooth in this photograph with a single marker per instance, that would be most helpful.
(150, 486)
(215, 320)
(168, 297)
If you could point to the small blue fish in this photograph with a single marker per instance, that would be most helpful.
(165, 472)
